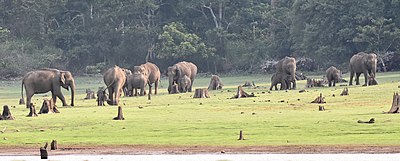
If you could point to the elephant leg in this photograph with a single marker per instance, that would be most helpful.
(156, 86)
(136, 93)
(351, 78)
(294, 84)
(190, 86)
(366, 78)
(276, 87)
(330, 83)
(29, 96)
(142, 91)
(334, 83)
(358, 78)
(61, 97)
(150, 88)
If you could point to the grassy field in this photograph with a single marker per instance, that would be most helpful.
(180, 119)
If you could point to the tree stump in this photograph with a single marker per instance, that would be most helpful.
(89, 94)
(32, 111)
(21, 101)
(120, 115)
(241, 135)
(372, 81)
(319, 99)
(240, 93)
(53, 145)
(48, 107)
(201, 93)
(43, 152)
(395, 104)
(321, 108)
(215, 83)
(249, 84)
(174, 89)
(345, 92)
(6, 114)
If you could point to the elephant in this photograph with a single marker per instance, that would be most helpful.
(45, 80)
(153, 76)
(333, 75)
(362, 63)
(101, 96)
(281, 78)
(183, 84)
(114, 78)
(137, 80)
(287, 65)
(179, 70)
(215, 83)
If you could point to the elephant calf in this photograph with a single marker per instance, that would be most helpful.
(184, 84)
(137, 80)
(333, 75)
(282, 78)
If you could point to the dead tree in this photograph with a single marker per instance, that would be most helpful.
(89, 94)
(215, 83)
(240, 93)
(345, 92)
(53, 145)
(395, 104)
(319, 99)
(32, 111)
(48, 107)
(120, 115)
(201, 93)
(6, 114)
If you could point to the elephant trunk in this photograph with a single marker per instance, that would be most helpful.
(171, 82)
(72, 86)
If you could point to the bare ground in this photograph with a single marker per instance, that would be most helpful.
(171, 149)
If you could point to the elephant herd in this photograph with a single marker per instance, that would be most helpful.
(116, 79)
(359, 63)
(180, 75)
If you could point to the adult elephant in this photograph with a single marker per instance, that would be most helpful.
(333, 75)
(45, 80)
(362, 63)
(114, 78)
(287, 65)
(179, 70)
(153, 75)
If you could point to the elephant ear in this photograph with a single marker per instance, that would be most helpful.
(62, 77)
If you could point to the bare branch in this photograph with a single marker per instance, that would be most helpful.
(212, 13)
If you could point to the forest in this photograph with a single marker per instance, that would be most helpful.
(220, 36)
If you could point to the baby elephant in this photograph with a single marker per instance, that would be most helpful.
(137, 80)
(281, 78)
(184, 84)
(101, 96)
(333, 75)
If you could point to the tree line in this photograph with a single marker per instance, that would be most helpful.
(87, 36)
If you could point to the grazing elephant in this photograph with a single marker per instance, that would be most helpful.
(287, 65)
(333, 75)
(180, 70)
(114, 78)
(45, 80)
(281, 78)
(153, 76)
(184, 83)
(138, 80)
(362, 63)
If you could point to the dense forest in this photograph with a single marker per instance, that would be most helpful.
(87, 36)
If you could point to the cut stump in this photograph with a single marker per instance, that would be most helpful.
(174, 89)
(32, 111)
(215, 83)
(6, 114)
(43, 152)
(249, 84)
(48, 107)
(120, 114)
(395, 104)
(241, 135)
(321, 108)
(240, 93)
(53, 145)
(319, 99)
(90, 94)
(201, 93)
(345, 92)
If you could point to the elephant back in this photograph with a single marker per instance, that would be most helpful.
(153, 72)
(114, 75)
(285, 65)
(188, 68)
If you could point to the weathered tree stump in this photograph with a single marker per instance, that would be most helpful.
(48, 106)
(371, 121)
(120, 115)
(321, 108)
(249, 84)
(21, 101)
(149, 96)
(372, 81)
(395, 104)
(345, 92)
(43, 152)
(101, 96)
(215, 83)
(6, 114)
(319, 99)
(32, 111)
(240, 93)
(90, 94)
(241, 137)
(174, 89)
(201, 93)
(53, 145)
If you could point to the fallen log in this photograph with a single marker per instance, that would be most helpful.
(201, 93)
(345, 92)
(240, 93)
(319, 99)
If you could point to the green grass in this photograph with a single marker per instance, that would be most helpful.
(179, 119)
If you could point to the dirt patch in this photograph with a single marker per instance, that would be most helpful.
(169, 149)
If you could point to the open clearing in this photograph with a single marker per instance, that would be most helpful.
(277, 119)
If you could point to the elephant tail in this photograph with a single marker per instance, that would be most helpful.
(22, 90)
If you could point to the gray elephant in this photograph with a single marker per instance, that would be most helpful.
(138, 80)
(362, 63)
(281, 78)
(183, 84)
(180, 70)
(287, 65)
(153, 76)
(45, 80)
(333, 75)
(114, 78)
